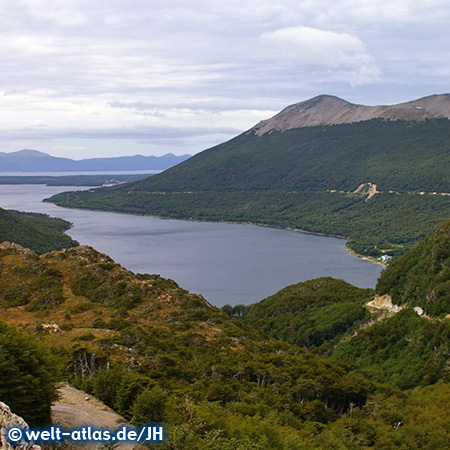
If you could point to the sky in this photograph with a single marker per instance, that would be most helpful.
(84, 79)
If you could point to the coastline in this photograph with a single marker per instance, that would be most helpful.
(366, 258)
(190, 219)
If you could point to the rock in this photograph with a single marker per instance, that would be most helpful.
(16, 248)
(384, 302)
(8, 419)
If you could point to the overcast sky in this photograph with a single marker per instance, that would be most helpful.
(105, 78)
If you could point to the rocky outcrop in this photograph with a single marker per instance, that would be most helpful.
(384, 302)
(7, 420)
(16, 248)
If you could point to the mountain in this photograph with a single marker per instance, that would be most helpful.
(409, 346)
(330, 110)
(384, 184)
(39, 232)
(35, 161)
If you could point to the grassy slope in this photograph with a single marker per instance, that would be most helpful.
(153, 351)
(153, 334)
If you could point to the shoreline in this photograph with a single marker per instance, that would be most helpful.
(366, 258)
(190, 219)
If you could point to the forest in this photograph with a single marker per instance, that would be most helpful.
(337, 375)
(38, 232)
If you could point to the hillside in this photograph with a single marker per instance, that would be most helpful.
(36, 231)
(421, 277)
(392, 344)
(35, 161)
(131, 339)
(394, 155)
(311, 313)
(310, 179)
(156, 353)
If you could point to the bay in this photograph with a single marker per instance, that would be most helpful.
(226, 263)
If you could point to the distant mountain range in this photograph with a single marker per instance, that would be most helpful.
(35, 161)
(378, 175)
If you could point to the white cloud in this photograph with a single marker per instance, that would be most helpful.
(338, 52)
(169, 65)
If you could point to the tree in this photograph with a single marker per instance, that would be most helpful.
(28, 375)
(149, 406)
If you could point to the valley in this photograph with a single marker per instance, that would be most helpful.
(155, 352)
(226, 263)
(288, 177)
(321, 364)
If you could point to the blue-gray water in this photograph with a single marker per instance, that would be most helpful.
(226, 263)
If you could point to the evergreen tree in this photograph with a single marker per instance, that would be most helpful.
(27, 376)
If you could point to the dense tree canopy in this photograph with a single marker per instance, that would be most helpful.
(27, 376)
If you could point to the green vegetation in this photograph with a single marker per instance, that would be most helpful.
(309, 314)
(156, 353)
(38, 232)
(27, 376)
(421, 277)
(158, 343)
(401, 156)
(407, 350)
(411, 422)
(404, 350)
(283, 179)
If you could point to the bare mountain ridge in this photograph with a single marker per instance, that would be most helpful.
(330, 110)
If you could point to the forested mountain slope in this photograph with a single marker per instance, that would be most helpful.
(394, 155)
(385, 338)
(39, 232)
(421, 277)
(383, 183)
(310, 313)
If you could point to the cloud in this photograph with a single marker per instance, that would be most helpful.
(338, 52)
(140, 133)
(115, 68)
